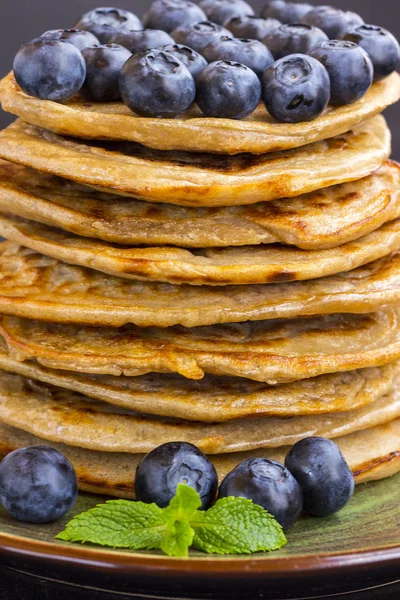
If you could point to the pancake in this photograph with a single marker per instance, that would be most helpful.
(259, 133)
(372, 454)
(57, 415)
(268, 351)
(218, 399)
(213, 266)
(321, 219)
(38, 287)
(200, 179)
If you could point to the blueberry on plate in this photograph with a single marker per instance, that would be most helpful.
(323, 474)
(268, 484)
(193, 61)
(49, 69)
(251, 53)
(37, 484)
(103, 69)
(140, 40)
(155, 83)
(169, 14)
(228, 89)
(350, 70)
(380, 45)
(285, 12)
(332, 20)
(198, 35)
(296, 88)
(80, 39)
(219, 11)
(293, 39)
(162, 469)
(104, 22)
(251, 26)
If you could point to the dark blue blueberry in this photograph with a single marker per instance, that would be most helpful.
(269, 485)
(251, 27)
(155, 83)
(219, 11)
(50, 69)
(350, 70)
(103, 69)
(192, 60)
(144, 39)
(170, 14)
(323, 474)
(296, 88)
(380, 45)
(228, 90)
(286, 12)
(251, 53)
(198, 35)
(293, 39)
(160, 472)
(80, 39)
(37, 484)
(332, 20)
(104, 22)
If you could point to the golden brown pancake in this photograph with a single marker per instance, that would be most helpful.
(322, 219)
(269, 351)
(200, 179)
(57, 415)
(372, 454)
(260, 264)
(258, 133)
(38, 287)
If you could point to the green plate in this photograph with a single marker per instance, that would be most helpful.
(358, 547)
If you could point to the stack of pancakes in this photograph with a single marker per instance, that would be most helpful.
(234, 284)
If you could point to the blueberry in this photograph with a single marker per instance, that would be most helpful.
(160, 472)
(219, 11)
(296, 88)
(332, 20)
(269, 485)
(140, 40)
(192, 60)
(251, 53)
(104, 22)
(169, 14)
(103, 69)
(50, 69)
(286, 12)
(323, 474)
(251, 26)
(293, 39)
(198, 35)
(155, 83)
(80, 39)
(380, 45)
(350, 70)
(37, 484)
(228, 89)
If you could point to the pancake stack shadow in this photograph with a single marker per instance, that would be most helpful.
(233, 284)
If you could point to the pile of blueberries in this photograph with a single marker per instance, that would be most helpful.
(296, 57)
(38, 484)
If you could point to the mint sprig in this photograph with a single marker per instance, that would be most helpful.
(231, 526)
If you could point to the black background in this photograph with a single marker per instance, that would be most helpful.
(22, 20)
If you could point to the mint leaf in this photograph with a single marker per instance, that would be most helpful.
(177, 515)
(236, 526)
(119, 524)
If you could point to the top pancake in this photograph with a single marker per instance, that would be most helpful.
(258, 133)
(191, 179)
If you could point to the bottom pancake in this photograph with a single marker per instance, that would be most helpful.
(372, 454)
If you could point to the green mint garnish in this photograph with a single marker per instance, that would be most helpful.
(231, 526)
